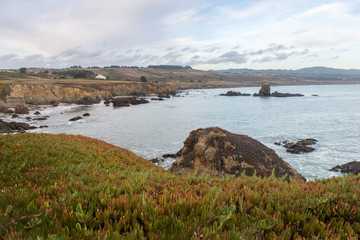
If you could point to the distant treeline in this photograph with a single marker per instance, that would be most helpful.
(116, 66)
(169, 67)
(75, 74)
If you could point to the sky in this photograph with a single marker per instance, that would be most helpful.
(205, 34)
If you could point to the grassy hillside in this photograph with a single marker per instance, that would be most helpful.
(73, 187)
(179, 78)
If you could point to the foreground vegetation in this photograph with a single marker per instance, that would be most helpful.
(73, 187)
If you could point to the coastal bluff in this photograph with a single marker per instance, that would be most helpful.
(219, 153)
(84, 93)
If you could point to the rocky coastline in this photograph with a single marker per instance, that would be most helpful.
(34, 95)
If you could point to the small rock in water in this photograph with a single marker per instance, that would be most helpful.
(300, 146)
(40, 119)
(37, 113)
(75, 118)
(350, 167)
(235, 93)
(86, 114)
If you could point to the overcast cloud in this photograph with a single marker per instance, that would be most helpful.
(213, 34)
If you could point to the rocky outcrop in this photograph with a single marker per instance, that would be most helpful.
(264, 91)
(350, 167)
(11, 127)
(235, 93)
(277, 94)
(21, 109)
(300, 146)
(218, 153)
(127, 101)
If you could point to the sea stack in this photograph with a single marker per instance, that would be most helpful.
(264, 91)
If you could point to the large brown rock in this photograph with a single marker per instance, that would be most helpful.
(218, 153)
(21, 109)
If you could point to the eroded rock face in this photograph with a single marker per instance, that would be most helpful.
(219, 153)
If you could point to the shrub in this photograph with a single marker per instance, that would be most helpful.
(143, 79)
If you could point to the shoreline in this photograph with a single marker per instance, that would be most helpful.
(79, 128)
(175, 88)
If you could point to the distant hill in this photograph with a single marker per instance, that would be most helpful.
(311, 70)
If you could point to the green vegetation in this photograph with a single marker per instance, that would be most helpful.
(73, 187)
(22, 70)
(87, 74)
(4, 91)
(143, 79)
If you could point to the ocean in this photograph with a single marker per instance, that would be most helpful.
(328, 113)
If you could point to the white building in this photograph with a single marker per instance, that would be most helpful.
(101, 77)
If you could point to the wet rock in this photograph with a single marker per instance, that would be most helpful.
(37, 113)
(122, 101)
(265, 92)
(43, 126)
(14, 115)
(157, 99)
(156, 160)
(10, 127)
(28, 118)
(172, 155)
(21, 109)
(277, 94)
(139, 101)
(40, 119)
(218, 153)
(86, 114)
(350, 167)
(127, 101)
(235, 93)
(89, 100)
(300, 146)
(75, 119)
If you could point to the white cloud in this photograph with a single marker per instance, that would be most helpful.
(142, 32)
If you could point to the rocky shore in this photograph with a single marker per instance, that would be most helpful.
(54, 94)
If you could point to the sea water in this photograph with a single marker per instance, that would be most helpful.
(328, 113)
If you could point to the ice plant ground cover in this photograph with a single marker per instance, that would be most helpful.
(74, 187)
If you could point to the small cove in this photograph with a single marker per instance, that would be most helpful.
(151, 130)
